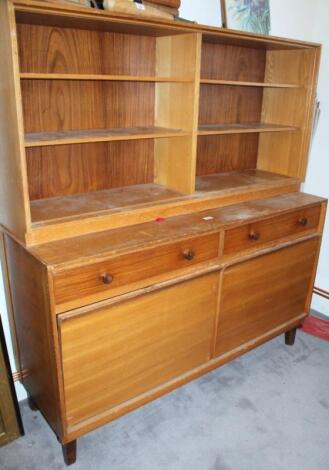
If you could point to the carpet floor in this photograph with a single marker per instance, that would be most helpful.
(268, 410)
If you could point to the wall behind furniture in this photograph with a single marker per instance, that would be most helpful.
(205, 11)
(317, 178)
(302, 19)
(308, 20)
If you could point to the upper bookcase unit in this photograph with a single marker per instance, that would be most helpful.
(112, 121)
(256, 108)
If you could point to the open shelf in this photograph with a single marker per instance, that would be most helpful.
(243, 128)
(41, 139)
(206, 81)
(236, 181)
(109, 202)
(93, 203)
(111, 120)
(115, 78)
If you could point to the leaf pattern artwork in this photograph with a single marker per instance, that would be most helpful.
(249, 15)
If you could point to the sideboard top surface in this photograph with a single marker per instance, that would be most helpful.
(79, 250)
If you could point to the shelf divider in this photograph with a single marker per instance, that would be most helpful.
(41, 139)
(100, 77)
(206, 81)
(243, 128)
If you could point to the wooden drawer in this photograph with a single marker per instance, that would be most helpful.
(116, 353)
(118, 274)
(264, 231)
(263, 293)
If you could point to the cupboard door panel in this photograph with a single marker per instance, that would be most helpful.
(262, 293)
(113, 354)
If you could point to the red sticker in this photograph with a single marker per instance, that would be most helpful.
(160, 219)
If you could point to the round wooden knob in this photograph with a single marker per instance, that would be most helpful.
(188, 254)
(303, 221)
(107, 278)
(254, 236)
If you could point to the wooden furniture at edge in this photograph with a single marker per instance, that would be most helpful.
(10, 419)
(152, 220)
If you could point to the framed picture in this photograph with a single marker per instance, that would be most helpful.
(247, 15)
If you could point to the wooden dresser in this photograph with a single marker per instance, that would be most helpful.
(152, 221)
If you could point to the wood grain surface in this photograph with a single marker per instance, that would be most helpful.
(112, 355)
(14, 207)
(81, 250)
(243, 128)
(74, 51)
(59, 105)
(226, 153)
(245, 83)
(46, 139)
(260, 294)
(287, 153)
(101, 77)
(85, 168)
(177, 105)
(127, 269)
(77, 205)
(157, 191)
(229, 105)
(232, 62)
(264, 231)
(93, 203)
(31, 307)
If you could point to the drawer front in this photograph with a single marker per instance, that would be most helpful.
(265, 231)
(116, 353)
(263, 293)
(107, 276)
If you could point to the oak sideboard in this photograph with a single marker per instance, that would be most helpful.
(152, 222)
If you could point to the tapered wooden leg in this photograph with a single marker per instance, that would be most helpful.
(290, 337)
(31, 404)
(70, 452)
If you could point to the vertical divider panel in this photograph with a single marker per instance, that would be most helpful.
(286, 152)
(14, 211)
(176, 107)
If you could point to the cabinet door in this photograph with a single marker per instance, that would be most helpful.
(260, 294)
(113, 354)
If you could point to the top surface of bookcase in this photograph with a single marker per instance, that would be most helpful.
(39, 12)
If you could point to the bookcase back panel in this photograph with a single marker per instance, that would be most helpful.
(79, 168)
(223, 153)
(56, 105)
(229, 104)
(78, 51)
(226, 62)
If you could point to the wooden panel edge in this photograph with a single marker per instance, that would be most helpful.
(310, 111)
(9, 303)
(15, 209)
